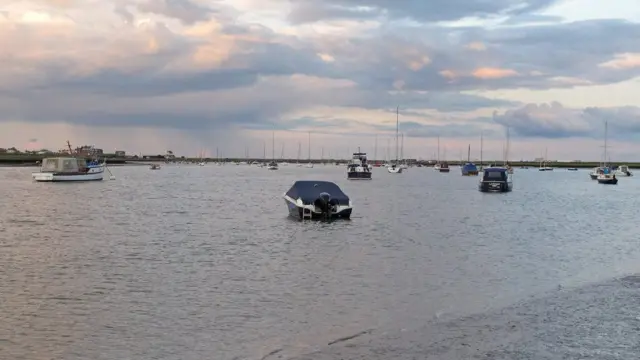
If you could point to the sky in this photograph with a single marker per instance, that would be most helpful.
(233, 77)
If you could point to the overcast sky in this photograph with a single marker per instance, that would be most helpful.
(148, 76)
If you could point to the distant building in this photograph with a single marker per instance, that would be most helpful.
(88, 150)
(120, 153)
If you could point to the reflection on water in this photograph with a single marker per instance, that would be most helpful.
(192, 262)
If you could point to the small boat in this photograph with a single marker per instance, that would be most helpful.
(444, 168)
(595, 172)
(607, 179)
(317, 200)
(469, 169)
(358, 169)
(395, 167)
(202, 163)
(69, 169)
(623, 170)
(543, 164)
(154, 167)
(496, 179)
(273, 165)
(572, 169)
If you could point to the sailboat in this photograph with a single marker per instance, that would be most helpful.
(506, 154)
(543, 164)
(404, 161)
(481, 151)
(395, 167)
(309, 164)
(273, 165)
(469, 169)
(606, 176)
(201, 162)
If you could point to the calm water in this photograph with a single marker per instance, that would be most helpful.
(201, 262)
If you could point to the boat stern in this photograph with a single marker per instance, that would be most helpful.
(42, 176)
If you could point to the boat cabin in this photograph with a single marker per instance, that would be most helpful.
(495, 174)
(64, 165)
(359, 158)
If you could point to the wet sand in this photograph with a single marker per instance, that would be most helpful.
(600, 321)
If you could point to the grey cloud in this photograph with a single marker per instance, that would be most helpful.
(556, 121)
(420, 10)
(183, 10)
(524, 19)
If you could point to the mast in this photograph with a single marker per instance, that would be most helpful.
(375, 150)
(469, 154)
(606, 126)
(438, 149)
(481, 147)
(402, 147)
(273, 146)
(397, 127)
(309, 146)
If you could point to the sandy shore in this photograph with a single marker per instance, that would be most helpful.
(600, 321)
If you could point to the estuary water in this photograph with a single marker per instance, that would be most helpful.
(202, 262)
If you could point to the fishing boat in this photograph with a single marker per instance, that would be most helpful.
(469, 169)
(70, 168)
(317, 200)
(60, 169)
(395, 168)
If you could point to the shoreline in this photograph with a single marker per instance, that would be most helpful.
(594, 321)
(32, 160)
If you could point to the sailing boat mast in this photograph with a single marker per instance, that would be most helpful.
(438, 159)
(397, 127)
(273, 146)
(481, 147)
(469, 153)
(309, 146)
(606, 129)
(375, 150)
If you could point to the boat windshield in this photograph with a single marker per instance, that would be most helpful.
(494, 176)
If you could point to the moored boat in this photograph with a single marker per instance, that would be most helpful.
(444, 168)
(623, 170)
(358, 168)
(496, 179)
(469, 169)
(154, 167)
(317, 200)
(60, 169)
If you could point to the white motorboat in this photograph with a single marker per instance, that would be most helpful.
(317, 200)
(595, 172)
(394, 169)
(272, 166)
(358, 169)
(69, 169)
(623, 170)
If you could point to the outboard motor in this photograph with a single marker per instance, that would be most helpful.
(324, 203)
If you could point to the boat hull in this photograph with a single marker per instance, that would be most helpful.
(444, 170)
(359, 175)
(394, 170)
(608, 181)
(57, 177)
(495, 186)
(298, 212)
(593, 176)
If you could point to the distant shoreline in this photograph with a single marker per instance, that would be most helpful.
(10, 160)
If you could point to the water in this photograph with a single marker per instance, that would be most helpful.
(201, 262)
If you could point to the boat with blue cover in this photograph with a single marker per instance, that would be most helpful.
(469, 169)
(308, 199)
(496, 179)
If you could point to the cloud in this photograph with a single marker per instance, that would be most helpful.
(198, 66)
(427, 11)
(553, 120)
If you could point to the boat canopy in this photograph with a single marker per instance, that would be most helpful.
(63, 164)
(470, 166)
(309, 191)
